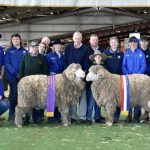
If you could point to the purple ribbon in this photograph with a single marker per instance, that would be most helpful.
(51, 96)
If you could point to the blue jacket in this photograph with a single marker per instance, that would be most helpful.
(113, 62)
(13, 60)
(76, 55)
(1, 89)
(1, 58)
(147, 55)
(55, 64)
(134, 62)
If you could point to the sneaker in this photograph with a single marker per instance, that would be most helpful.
(73, 120)
(102, 118)
(11, 119)
(89, 122)
(82, 121)
(128, 119)
(98, 121)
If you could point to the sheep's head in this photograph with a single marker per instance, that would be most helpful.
(74, 71)
(96, 72)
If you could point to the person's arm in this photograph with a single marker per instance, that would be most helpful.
(143, 65)
(22, 69)
(8, 64)
(1, 90)
(124, 65)
(65, 57)
(45, 66)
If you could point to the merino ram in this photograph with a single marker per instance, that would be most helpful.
(106, 91)
(32, 93)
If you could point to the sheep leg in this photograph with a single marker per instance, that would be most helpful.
(20, 111)
(110, 111)
(64, 110)
(143, 115)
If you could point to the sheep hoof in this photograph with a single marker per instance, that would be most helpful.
(142, 121)
(65, 125)
(109, 124)
(19, 126)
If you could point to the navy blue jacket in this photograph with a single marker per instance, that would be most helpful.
(1, 89)
(13, 60)
(1, 58)
(113, 63)
(55, 64)
(76, 55)
(134, 62)
(147, 55)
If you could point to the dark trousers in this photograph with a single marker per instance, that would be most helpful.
(12, 96)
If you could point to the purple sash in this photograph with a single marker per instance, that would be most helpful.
(51, 96)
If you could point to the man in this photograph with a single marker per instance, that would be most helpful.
(91, 104)
(77, 53)
(33, 63)
(133, 63)
(46, 41)
(146, 51)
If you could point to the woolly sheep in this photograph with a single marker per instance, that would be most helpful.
(32, 93)
(106, 91)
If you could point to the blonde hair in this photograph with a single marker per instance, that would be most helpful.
(114, 38)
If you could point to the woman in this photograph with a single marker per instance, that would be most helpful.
(55, 66)
(114, 64)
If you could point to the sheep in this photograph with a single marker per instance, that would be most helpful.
(106, 91)
(32, 93)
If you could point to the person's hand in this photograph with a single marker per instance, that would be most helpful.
(1, 77)
(0, 97)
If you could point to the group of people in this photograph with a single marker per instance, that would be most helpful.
(41, 59)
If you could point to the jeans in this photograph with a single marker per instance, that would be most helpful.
(83, 106)
(92, 105)
(12, 96)
(4, 105)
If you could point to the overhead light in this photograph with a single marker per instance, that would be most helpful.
(118, 31)
(4, 18)
(51, 12)
(145, 12)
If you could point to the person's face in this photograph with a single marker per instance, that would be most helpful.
(16, 41)
(57, 47)
(34, 49)
(144, 44)
(94, 40)
(98, 59)
(113, 44)
(133, 45)
(46, 41)
(77, 39)
(42, 48)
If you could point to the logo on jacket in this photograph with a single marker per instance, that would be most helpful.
(119, 57)
(147, 56)
(140, 55)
